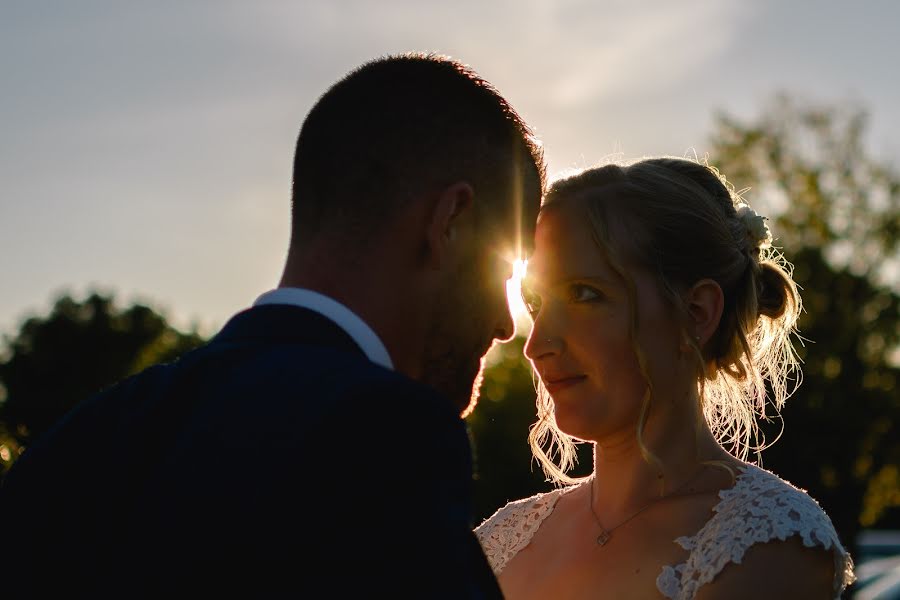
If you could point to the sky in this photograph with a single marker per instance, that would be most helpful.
(146, 147)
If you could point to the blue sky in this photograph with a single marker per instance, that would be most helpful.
(146, 147)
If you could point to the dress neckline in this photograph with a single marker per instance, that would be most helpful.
(744, 470)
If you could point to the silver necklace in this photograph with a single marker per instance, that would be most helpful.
(606, 534)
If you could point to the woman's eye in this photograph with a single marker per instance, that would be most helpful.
(578, 292)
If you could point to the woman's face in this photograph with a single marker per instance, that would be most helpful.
(580, 344)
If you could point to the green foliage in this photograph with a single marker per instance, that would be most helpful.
(499, 430)
(80, 348)
(810, 166)
(836, 212)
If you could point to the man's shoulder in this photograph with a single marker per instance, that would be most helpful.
(281, 398)
(290, 380)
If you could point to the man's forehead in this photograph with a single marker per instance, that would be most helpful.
(513, 238)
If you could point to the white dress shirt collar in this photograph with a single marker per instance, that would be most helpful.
(343, 317)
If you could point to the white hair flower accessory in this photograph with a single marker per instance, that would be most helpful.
(758, 233)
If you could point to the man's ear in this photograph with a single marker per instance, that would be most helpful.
(705, 302)
(451, 209)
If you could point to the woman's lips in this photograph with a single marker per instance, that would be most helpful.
(562, 383)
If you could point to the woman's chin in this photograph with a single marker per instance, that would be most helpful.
(574, 424)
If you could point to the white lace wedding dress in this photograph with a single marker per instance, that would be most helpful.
(760, 507)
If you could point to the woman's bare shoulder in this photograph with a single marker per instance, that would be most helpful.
(776, 569)
(767, 538)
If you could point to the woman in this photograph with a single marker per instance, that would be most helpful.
(660, 311)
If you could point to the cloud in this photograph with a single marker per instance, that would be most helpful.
(569, 66)
(637, 49)
(576, 50)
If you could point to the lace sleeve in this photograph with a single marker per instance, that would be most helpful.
(760, 508)
(511, 528)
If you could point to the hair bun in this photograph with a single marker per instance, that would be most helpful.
(775, 294)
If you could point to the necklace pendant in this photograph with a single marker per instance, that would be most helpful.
(602, 538)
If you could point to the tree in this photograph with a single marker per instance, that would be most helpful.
(836, 211)
(81, 347)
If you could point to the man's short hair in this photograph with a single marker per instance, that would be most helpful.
(401, 126)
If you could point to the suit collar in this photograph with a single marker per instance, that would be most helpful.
(280, 323)
(361, 332)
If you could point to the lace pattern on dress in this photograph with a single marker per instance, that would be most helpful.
(511, 528)
(759, 508)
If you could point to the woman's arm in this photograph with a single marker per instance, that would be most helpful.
(775, 570)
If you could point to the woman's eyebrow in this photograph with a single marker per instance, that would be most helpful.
(536, 283)
(598, 278)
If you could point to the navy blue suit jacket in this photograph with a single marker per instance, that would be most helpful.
(276, 460)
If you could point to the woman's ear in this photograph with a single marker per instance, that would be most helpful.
(449, 210)
(705, 302)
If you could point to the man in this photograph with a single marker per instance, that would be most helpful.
(300, 452)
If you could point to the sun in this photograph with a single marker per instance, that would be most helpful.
(514, 297)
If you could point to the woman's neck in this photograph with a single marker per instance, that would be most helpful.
(627, 480)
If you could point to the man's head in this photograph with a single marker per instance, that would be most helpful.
(419, 135)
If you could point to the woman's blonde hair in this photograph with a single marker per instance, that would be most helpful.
(686, 223)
